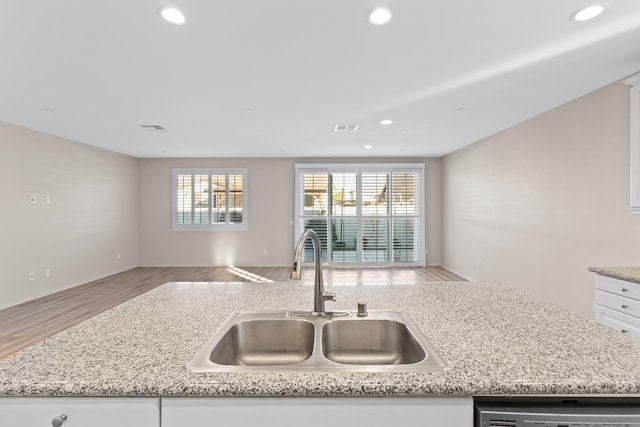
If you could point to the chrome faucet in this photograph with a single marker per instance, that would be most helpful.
(319, 295)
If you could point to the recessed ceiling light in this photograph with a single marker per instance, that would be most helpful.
(379, 16)
(172, 15)
(386, 122)
(368, 147)
(587, 13)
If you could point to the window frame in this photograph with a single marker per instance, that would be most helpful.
(227, 226)
(360, 169)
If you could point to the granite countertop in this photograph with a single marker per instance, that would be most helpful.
(630, 274)
(496, 340)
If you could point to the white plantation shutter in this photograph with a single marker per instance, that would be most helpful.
(363, 214)
(209, 199)
(312, 202)
(344, 216)
(407, 216)
(236, 198)
(201, 199)
(375, 217)
(184, 199)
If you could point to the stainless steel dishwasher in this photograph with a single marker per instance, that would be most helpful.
(557, 412)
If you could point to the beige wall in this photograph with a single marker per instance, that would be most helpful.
(104, 204)
(535, 205)
(270, 215)
(92, 215)
(270, 186)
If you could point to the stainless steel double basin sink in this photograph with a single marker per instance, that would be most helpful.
(272, 341)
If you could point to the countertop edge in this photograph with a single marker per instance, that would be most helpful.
(629, 274)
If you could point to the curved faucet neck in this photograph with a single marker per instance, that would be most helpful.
(318, 288)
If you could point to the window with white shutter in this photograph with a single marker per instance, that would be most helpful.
(209, 199)
(363, 214)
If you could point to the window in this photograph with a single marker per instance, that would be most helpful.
(209, 199)
(363, 214)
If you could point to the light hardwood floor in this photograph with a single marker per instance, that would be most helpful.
(25, 324)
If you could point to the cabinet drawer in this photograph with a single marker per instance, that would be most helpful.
(80, 411)
(618, 287)
(616, 302)
(618, 321)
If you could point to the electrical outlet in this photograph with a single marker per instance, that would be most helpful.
(47, 272)
(32, 276)
(118, 255)
(266, 251)
(33, 199)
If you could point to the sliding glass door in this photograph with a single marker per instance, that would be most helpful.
(363, 215)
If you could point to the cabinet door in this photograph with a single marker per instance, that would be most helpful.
(317, 412)
(80, 412)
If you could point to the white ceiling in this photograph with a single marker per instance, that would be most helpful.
(255, 78)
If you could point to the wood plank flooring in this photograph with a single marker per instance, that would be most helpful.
(25, 324)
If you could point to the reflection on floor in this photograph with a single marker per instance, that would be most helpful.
(27, 323)
(247, 275)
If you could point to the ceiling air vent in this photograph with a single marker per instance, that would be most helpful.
(153, 128)
(346, 128)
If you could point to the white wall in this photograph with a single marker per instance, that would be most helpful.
(539, 203)
(92, 215)
(271, 214)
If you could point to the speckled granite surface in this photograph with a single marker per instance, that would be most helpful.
(496, 341)
(630, 274)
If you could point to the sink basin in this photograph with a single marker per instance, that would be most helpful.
(265, 342)
(281, 341)
(370, 342)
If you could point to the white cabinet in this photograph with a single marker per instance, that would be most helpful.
(236, 411)
(318, 412)
(618, 305)
(79, 412)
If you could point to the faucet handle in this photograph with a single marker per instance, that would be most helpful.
(328, 296)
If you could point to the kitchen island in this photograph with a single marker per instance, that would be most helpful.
(495, 340)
